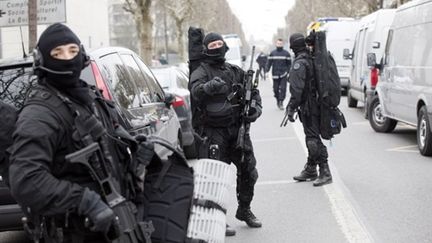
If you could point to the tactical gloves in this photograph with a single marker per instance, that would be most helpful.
(254, 113)
(142, 157)
(145, 151)
(215, 86)
(100, 215)
(290, 113)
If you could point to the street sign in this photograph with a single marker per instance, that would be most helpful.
(14, 12)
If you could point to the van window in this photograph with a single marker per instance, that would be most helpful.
(137, 78)
(387, 48)
(115, 72)
(361, 57)
(158, 94)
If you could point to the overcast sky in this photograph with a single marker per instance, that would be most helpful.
(261, 18)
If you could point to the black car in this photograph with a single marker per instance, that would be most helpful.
(15, 79)
(143, 106)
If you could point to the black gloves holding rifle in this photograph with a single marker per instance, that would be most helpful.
(290, 113)
(254, 113)
(100, 215)
(215, 86)
(145, 150)
(142, 157)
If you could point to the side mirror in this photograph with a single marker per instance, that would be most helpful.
(371, 60)
(376, 45)
(347, 54)
(243, 58)
(169, 99)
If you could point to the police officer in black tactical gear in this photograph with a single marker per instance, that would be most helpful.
(280, 61)
(217, 88)
(304, 100)
(50, 189)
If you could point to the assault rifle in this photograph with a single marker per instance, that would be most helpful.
(96, 157)
(247, 103)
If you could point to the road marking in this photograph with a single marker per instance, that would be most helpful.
(343, 210)
(404, 149)
(359, 123)
(261, 140)
(281, 182)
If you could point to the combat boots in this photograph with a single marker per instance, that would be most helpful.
(245, 214)
(280, 105)
(324, 177)
(309, 173)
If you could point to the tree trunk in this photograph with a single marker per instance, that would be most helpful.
(32, 23)
(145, 33)
(180, 41)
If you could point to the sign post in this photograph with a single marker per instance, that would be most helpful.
(15, 12)
(32, 23)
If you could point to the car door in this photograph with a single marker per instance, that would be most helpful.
(126, 95)
(402, 76)
(359, 78)
(167, 114)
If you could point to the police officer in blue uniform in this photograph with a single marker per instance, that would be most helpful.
(280, 62)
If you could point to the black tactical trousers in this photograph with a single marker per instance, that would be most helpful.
(317, 151)
(247, 173)
(261, 71)
(279, 88)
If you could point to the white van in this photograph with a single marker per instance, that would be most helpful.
(370, 38)
(405, 87)
(340, 35)
(233, 55)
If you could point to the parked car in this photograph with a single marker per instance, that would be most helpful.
(175, 81)
(371, 38)
(234, 54)
(15, 79)
(405, 89)
(141, 102)
(142, 105)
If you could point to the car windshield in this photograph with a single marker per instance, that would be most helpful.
(14, 85)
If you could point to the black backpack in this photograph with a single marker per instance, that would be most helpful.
(329, 89)
(168, 194)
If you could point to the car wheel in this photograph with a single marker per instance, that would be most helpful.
(424, 134)
(377, 120)
(352, 103)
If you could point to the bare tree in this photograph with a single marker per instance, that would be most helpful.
(141, 11)
(180, 11)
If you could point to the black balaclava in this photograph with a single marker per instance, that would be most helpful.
(297, 43)
(214, 56)
(57, 35)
